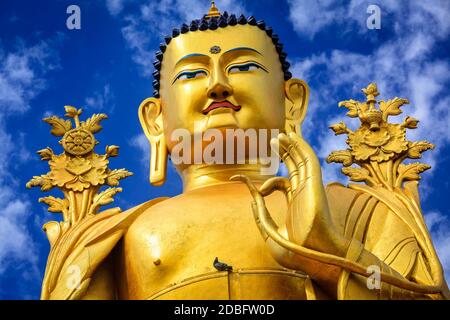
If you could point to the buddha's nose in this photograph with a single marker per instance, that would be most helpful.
(220, 90)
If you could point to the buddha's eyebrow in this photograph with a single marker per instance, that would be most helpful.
(190, 56)
(243, 49)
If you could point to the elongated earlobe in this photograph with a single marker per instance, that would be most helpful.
(296, 104)
(151, 121)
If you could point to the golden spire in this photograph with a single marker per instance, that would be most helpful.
(213, 11)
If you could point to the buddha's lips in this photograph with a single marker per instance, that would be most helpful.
(221, 104)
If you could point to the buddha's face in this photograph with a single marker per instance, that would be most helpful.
(227, 78)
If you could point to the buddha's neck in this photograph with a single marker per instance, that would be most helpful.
(202, 175)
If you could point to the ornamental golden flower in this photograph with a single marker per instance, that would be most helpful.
(380, 145)
(76, 173)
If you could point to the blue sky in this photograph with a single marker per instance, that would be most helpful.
(106, 67)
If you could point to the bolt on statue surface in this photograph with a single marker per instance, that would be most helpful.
(288, 238)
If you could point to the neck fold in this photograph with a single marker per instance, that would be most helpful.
(202, 175)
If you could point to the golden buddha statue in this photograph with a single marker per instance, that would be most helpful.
(229, 235)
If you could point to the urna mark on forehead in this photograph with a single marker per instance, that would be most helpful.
(215, 25)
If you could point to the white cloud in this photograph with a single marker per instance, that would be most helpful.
(328, 142)
(138, 40)
(439, 226)
(140, 142)
(22, 74)
(114, 6)
(309, 17)
(16, 243)
(101, 100)
(149, 22)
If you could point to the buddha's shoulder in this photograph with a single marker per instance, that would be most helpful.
(167, 206)
(135, 213)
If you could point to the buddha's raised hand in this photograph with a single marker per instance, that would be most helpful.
(308, 221)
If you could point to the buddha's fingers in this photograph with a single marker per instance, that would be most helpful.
(293, 161)
(276, 184)
(261, 229)
(293, 172)
(306, 154)
(260, 211)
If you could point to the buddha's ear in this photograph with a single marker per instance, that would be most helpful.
(296, 103)
(150, 116)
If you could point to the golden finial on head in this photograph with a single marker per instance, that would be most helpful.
(213, 11)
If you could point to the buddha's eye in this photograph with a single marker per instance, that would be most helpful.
(244, 67)
(191, 75)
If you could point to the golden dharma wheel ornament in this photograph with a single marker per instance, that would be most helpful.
(78, 142)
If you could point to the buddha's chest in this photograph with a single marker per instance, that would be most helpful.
(173, 248)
